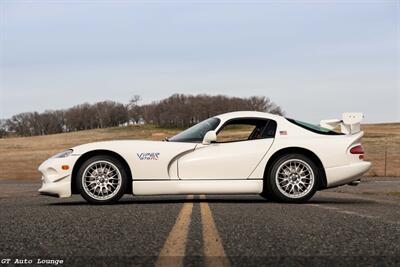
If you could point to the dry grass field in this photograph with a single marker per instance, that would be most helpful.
(382, 146)
(20, 157)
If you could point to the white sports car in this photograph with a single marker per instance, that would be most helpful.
(234, 153)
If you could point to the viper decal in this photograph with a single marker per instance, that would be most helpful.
(148, 156)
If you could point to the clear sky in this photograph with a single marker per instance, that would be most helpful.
(316, 59)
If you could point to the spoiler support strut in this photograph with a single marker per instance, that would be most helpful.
(349, 124)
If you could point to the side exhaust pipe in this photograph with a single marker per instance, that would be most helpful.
(355, 183)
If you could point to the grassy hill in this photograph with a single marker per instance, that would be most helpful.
(20, 157)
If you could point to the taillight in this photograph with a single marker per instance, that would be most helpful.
(357, 150)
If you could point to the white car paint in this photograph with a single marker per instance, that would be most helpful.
(220, 160)
(223, 168)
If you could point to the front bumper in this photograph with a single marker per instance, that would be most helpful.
(55, 180)
(56, 189)
(345, 174)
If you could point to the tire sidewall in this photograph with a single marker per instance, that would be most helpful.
(124, 179)
(271, 181)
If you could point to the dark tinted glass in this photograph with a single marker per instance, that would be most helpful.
(246, 129)
(197, 132)
(313, 128)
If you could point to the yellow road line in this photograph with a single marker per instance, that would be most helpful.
(212, 247)
(174, 248)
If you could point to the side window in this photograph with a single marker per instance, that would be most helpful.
(246, 129)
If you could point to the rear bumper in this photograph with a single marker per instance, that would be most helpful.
(345, 174)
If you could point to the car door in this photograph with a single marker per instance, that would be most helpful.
(241, 145)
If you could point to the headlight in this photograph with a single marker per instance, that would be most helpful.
(63, 154)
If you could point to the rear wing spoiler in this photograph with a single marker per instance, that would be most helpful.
(349, 124)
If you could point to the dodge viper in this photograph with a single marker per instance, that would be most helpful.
(244, 152)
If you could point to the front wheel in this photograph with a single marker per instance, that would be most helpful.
(102, 180)
(293, 178)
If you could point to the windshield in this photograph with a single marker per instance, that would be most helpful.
(313, 128)
(197, 132)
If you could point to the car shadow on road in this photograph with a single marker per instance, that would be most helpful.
(167, 201)
(339, 201)
(216, 200)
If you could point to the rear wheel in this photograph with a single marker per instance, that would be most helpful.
(293, 178)
(102, 180)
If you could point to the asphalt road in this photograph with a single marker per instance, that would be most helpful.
(357, 226)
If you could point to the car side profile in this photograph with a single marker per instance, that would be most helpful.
(244, 152)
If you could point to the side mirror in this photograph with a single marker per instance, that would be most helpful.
(210, 137)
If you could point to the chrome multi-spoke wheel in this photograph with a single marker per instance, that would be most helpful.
(294, 178)
(101, 180)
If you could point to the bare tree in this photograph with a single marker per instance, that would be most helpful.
(184, 110)
(134, 110)
(178, 110)
(3, 128)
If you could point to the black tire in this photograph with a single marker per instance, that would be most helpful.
(275, 192)
(96, 162)
(266, 194)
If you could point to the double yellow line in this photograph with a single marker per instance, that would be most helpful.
(173, 251)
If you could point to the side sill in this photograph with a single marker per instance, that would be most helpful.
(173, 187)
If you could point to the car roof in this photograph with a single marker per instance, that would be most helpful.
(248, 114)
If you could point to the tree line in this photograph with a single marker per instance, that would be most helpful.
(178, 110)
